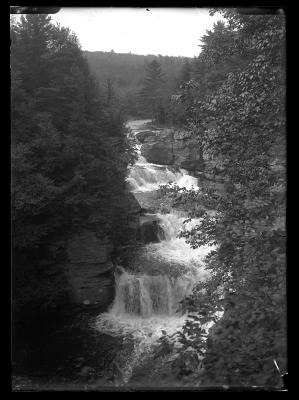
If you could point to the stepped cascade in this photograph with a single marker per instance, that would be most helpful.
(148, 300)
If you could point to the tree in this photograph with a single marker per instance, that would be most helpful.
(243, 124)
(186, 70)
(151, 95)
(69, 157)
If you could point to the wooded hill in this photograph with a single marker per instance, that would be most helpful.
(125, 74)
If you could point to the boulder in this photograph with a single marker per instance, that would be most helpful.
(150, 231)
(149, 201)
(158, 153)
(157, 147)
(172, 147)
(145, 135)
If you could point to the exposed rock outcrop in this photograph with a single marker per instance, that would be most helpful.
(86, 247)
(187, 153)
(158, 153)
(144, 135)
(90, 270)
(157, 147)
(133, 213)
(171, 147)
(150, 231)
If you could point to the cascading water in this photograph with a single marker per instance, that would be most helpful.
(145, 177)
(148, 300)
(147, 295)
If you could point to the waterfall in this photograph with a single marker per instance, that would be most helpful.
(148, 295)
(148, 301)
(145, 177)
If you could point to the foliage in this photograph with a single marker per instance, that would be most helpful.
(151, 94)
(241, 121)
(68, 146)
(186, 71)
(126, 72)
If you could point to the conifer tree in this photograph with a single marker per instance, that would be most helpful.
(69, 153)
(151, 95)
(186, 70)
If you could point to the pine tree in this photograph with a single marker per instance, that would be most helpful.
(69, 151)
(151, 95)
(185, 74)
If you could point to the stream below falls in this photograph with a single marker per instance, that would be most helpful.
(147, 301)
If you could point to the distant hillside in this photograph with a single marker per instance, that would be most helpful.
(126, 72)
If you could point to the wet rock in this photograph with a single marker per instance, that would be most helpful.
(149, 201)
(150, 232)
(158, 153)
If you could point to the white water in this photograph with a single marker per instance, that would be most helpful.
(147, 302)
(175, 248)
(145, 177)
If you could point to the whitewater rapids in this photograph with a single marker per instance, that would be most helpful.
(148, 302)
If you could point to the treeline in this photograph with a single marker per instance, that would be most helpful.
(69, 157)
(234, 104)
(125, 75)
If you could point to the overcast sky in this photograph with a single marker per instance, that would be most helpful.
(165, 31)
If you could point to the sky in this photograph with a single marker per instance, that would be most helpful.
(165, 31)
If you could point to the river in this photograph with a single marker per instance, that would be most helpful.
(147, 301)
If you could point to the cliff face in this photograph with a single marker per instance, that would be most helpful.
(90, 270)
(90, 267)
(171, 147)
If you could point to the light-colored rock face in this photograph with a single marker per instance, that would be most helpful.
(171, 147)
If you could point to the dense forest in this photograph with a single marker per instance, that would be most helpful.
(125, 73)
(235, 106)
(71, 155)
